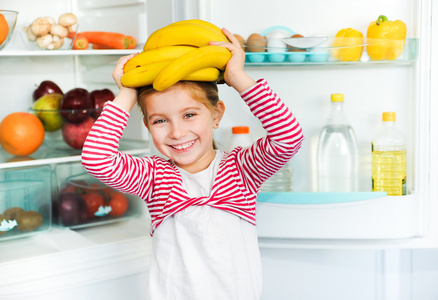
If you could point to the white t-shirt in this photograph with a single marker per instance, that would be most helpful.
(205, 253)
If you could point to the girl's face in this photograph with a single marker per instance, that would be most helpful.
(182, 128)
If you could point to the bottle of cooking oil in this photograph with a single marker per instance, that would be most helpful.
(389, 158)
(337, 152)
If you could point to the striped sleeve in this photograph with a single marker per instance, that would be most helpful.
(101, 158)
(283, 139)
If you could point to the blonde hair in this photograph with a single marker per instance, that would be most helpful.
(204, 92)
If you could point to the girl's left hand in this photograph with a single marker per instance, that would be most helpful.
(235, 75)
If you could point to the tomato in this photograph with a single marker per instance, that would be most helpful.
(93, 201)
(119, 204)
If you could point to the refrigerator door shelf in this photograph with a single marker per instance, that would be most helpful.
(390, 217)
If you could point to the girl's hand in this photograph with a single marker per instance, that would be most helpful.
(118, 70)
(235, 75)
(127, 96)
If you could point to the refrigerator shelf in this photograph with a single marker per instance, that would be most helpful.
(324, 53)
(45, 155)
(316, 198)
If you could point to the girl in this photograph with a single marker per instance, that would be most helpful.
(201, 200)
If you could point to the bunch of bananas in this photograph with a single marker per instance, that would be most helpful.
(179, 51)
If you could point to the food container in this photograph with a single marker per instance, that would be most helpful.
(82, 201)
(10, 17)
(66, 42)
(25, 202)
(66, 129)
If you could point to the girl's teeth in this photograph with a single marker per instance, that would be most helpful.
(183, 146)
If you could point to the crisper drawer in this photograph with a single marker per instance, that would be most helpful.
(25, 202)
(343, 216)
(80, 200)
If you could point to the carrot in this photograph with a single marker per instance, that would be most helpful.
(112, 40)
(80, 43)
(132, 42)
(99, 47)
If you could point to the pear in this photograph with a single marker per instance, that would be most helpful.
(46, 108)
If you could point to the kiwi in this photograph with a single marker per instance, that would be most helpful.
(12, 213)
(2, 217)
(29, 220)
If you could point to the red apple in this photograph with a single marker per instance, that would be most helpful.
(46, 87)
(71, 209)
(74, 134)
(75, 103)
(99, 98)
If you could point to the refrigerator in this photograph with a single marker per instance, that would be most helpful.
(314, 245)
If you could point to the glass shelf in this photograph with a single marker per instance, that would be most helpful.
(316, 198)
(45, 155)
(325, 53)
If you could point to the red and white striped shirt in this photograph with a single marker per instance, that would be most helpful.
(158, 181)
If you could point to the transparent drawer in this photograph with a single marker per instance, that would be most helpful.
(81, 200)
(25, 202)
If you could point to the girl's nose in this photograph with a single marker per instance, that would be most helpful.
(177, 132)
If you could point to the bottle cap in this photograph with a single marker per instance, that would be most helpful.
(240, 129)
(388, 116)
(337, 97)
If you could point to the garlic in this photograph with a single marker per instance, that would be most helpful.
(40, 27)
(59, 30)
(44, 41)
(67, 19)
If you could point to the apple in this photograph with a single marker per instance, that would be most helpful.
(74, 105)
(71, 209)
(46, 108)
(99, 98)
(46, 87)
(74, 134)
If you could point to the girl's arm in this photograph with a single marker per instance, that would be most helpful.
(284, 134)
(100, 155)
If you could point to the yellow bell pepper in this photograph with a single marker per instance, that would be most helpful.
(348, 45)
(385, 39)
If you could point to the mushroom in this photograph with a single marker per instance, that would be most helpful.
(30, 36)
(59, 30)
(40, 27)
(44, 41)
(67, 19)
(50, 20)
(56, 43)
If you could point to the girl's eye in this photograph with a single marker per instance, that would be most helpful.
(159, 121)
(186, 116)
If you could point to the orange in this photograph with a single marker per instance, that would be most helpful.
(4, 29)
(21, 133)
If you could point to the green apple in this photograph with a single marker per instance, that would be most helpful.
(46, 108)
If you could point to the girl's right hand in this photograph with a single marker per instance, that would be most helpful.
(118, 70)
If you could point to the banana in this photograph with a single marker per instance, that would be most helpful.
(206, 74)
(144, 75)
(155, 56)
(200, 58)
(183, 34)
(201, 22)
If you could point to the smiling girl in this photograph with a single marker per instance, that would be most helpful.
(202, 201)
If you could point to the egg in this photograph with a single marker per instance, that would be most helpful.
(241, 41)
(256, 43)
(293, 49)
